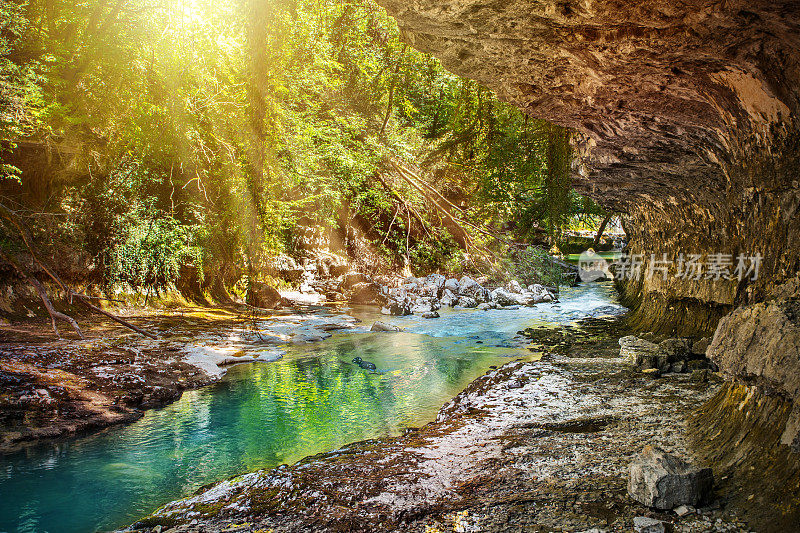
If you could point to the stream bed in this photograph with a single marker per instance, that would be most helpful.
(266, 414)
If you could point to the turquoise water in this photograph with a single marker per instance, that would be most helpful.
(263, 415)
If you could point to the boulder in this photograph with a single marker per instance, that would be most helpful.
(466, 301)
(435, 280)
(486, 306)
(262, 295)
(426, 305)
(288, 268)
(638, 352)
(514, 286)
(678, 367)
(700, 346)
(366, 294)
(449, 298)
(352, 279)
(452, 285)
(502, 297)
(383, 326)
(471, 288)
(760, 343)
(431, 314)
(398, 308)
(540, 293)
(663, 481)
(675, 349)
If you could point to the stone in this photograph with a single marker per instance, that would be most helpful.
(452, 285)
(684, 510)
(678, 367)
(514, 286)
(638, 352)
(675, 348)
(471, 288)
(449, 298)
(426, 304)
(696, 364)
(467, 302)
(502, 297)
(351, 279)
(436, 281)
(431, 314)
(645, 524)
(486, 306)
(399, 307)
(663, 481)
(383, 326)
(700, 346)
(700, 376)
(761, 342)
(366, 294)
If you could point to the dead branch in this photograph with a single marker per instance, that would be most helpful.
(54, 314)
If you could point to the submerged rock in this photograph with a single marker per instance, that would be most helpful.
(383, 326)
(663, 481)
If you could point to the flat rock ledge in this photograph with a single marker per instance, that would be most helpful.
(551, 451)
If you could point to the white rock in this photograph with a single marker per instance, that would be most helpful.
(645, 524)
(683, 510)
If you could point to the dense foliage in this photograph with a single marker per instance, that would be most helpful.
(160, 136)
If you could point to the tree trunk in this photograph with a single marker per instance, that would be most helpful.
(600, 231)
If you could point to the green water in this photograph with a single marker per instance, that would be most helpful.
(262, 415)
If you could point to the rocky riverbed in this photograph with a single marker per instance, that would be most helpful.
(542, 443)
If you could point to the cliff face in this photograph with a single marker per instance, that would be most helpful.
(686, 114)
(687, 121)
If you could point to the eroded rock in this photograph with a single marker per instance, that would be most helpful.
(663, 481)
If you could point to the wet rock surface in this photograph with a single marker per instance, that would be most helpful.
(540, 444)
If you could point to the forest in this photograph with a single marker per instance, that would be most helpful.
(147, 143)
